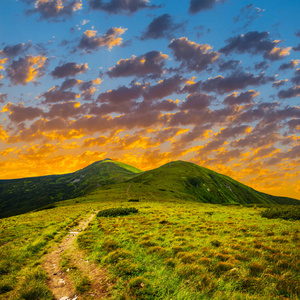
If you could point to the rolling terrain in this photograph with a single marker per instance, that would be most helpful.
(177, 179)
(177, 242)
(26, 194)
(190, 181)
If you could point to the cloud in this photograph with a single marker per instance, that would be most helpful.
(279, 83)
(152, 62)
(55, 9)
(164, 88)
(121, 94)
(15, 50)
(120, 6)
(240, 98)
(199, 5)
(196, 101)
(56, 95)
(223, 136)
(290, 65)
(26, 69)
(161, 27)
(99, 141)
(88, 88)
(292, 153)
(294, 126)
(290, 93)
(91, 42)
(69, 69)
(261, 136)
(277, 53)
(255, 42)
(194, 57)
(3, 97)
(297, 48)
(235, 81)
(229, 65)
(296, 78)
(266, 113)
(2, 62)
(261, 66)
(19, 113)
(66, 110)
(69, 83)
(248, 14)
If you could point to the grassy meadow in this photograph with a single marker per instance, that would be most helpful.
(24, 240)
(187, 250)
(169, 249)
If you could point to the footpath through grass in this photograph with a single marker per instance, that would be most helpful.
(189, 251)
(24, 239)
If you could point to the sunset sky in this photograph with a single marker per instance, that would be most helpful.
(144, 82)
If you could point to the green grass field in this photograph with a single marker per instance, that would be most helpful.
(170, 249)
(24, 240)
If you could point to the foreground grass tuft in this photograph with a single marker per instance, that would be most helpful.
(118, 211)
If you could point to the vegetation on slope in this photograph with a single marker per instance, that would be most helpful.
(189, 250)
(171, 249)
(280, 212)
(177, 180)
(24, 240)
(22, 195)
(186, 180)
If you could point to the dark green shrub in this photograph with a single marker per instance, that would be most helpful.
(118, 211)
(291, 212)
(5, 287)
(134, 200)
(216, 243)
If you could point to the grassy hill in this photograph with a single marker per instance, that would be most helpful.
(22, 195)
(109, 179)
(184, 180)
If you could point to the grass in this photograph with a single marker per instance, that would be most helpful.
(174, 250)
(24, 240)
(117, 211)
(170, 249)
(282, 212)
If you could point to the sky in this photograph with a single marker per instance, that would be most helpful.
(216, 83)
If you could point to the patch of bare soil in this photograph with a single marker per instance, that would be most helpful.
(60, 283)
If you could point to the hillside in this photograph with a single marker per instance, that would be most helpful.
(180, 179)
(26, 194)
(115, 180)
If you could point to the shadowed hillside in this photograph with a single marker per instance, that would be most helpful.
(22, 195)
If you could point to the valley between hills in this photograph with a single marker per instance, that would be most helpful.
(111, 231)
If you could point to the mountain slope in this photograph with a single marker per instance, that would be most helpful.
(22, 195)
(181, 179)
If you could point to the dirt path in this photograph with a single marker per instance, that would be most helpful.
(60, 283)
(127, 191)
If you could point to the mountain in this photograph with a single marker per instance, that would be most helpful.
(108, 179)
(26, 194)
(180, 179)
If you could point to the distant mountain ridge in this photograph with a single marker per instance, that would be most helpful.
(25, 194)
(177, 179)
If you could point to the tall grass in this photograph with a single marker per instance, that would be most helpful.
(176, 250)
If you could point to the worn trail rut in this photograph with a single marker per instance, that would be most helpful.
(59, 281)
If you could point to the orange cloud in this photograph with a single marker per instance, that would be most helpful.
(91, 41)
(26, 69)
